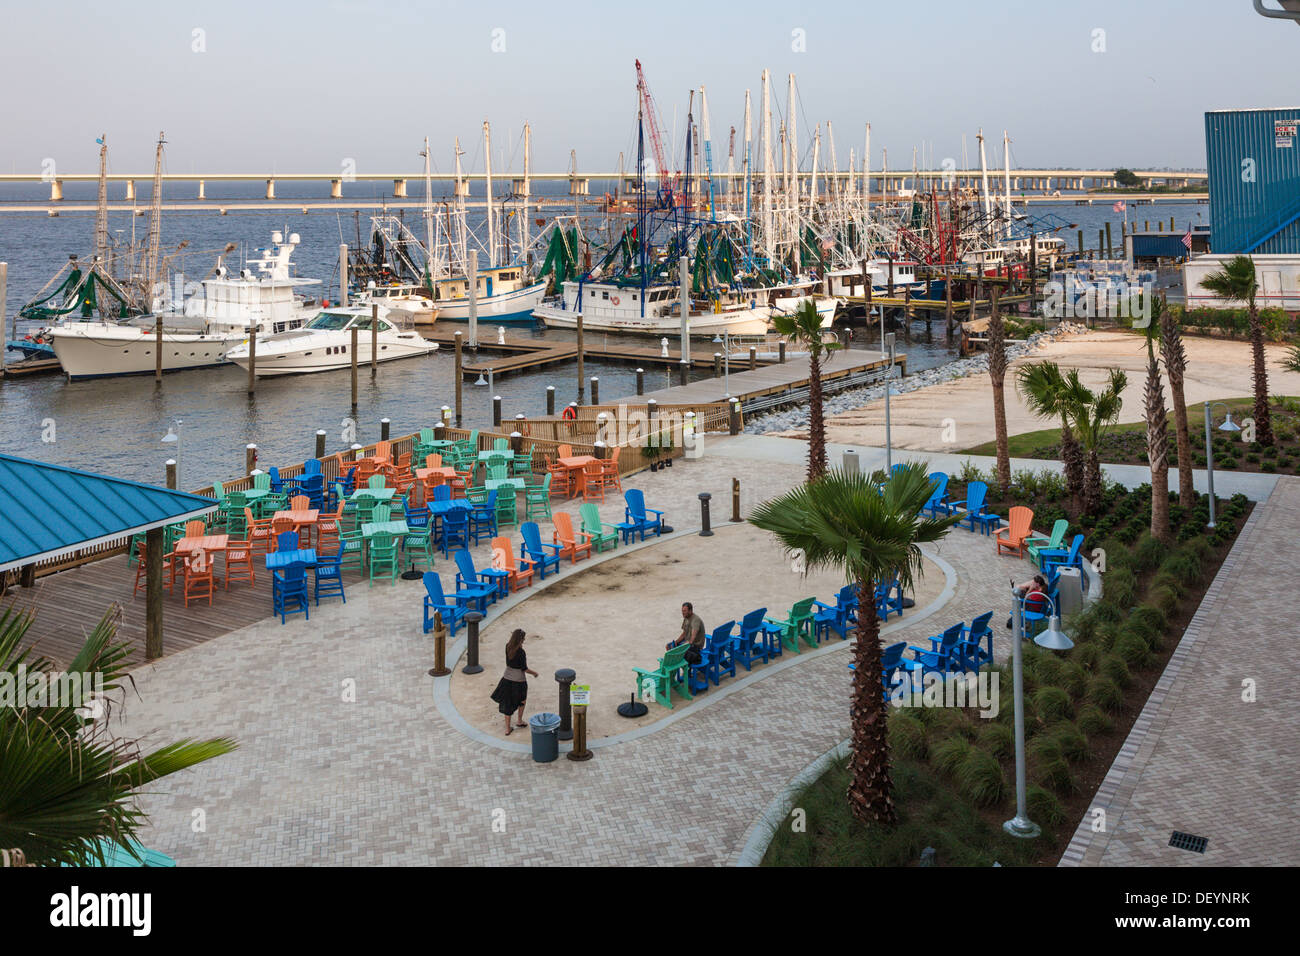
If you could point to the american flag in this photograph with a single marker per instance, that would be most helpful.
(1119, 206)
(1187, 240)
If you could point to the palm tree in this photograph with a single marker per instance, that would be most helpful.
(1042, 386)
(871, 528)
(66, 783)
(804, 326)
(998, 373)
(1157, 431)
(1292, 361)
(1236, 283)
(1175, 356)
(1091, 414)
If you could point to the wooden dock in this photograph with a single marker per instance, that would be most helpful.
(772, 380)
(27, 367)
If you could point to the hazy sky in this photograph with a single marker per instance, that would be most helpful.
(303, 87)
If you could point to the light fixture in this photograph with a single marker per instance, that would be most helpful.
(1229, 425)
(1053, 638)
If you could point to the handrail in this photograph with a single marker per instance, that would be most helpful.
(1288, 14)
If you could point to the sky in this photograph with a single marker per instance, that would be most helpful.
(290, 86)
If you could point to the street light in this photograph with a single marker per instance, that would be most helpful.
(174, 437)
(889, 387)
(725, 341)
(1228, 426)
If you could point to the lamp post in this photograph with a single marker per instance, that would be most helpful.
(174, 437)
(889, 387)
(725, 341)
(1228, 426)
(1053, 638)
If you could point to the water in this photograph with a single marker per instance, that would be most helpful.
(114, 426)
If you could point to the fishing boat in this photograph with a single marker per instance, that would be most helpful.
(654, 310)
(324, 344)
(196, 334)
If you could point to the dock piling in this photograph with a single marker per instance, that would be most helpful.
(780, 352)
(157, 350)
(460, 365)
(550, 400)
(250, 458)
(581, 363)
(717, 365)
(753, 359)
(171, 473)
(252, 360)
(595, 390)
(496, 411)
(153, 619)
(374, 339)
(640, 383)
(353, 350)
(320, 443)
(384, 425)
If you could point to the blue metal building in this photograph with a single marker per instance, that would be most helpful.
(1253, 159)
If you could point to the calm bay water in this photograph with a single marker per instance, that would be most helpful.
(114, 426)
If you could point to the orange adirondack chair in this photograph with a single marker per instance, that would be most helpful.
(572, 543)
(299, 503)
(198, 577)
(327, 528)
(383, 451)
(503, 559)
(239, 562)
(195, 529)
(141, 572)
(610, 478)
(259, 532)
(1012, 538)
(593, 481)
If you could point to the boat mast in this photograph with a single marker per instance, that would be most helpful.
(766, 118)
(642, 239)
(1006, 181)
(151, 264)
(866, 192)
(984, 178)
(523, 222)
(462, 189)
(101, 207)
(792, 169)
(487, 176)
(428, 219)
(745, 174)
(708, 153)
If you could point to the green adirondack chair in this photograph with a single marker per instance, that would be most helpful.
(501, 444)
(664, 678)
(537, 500)
(262, 481)
(522, 464)
(592, 525)
(383, 557)
(418, 544)
(376, 482)
(1036, 542)
(798, 624)
(350, 544)
(507, 507)
(381, 514)
(233, 506)
(497, 468)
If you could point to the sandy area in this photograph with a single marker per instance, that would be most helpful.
(1216, 369)
(622, 612)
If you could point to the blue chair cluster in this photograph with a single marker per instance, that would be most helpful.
(959, 649)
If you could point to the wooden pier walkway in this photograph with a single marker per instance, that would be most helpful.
(773, 379)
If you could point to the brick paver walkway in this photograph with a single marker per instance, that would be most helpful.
(344, 757)
(1214, 751)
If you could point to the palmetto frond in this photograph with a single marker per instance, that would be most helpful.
(1235, 281)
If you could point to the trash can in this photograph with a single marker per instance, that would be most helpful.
(1069, 592)
(851, 465)
(546, 742)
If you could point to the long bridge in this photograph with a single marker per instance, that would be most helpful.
(1043, 182)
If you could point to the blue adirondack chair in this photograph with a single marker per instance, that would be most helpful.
(975, 648)
(937, 504)
(939, 657)
(976, 493)
(888, 599)
(635, 517)
(839, 616)
(534, 549)
(895, 669)
(483, 518)
(471, 587)
(289, 591)
(759, 638)
(454, 530)
(1053, 559)
(435, 601)
(719, 656)
(329, 576)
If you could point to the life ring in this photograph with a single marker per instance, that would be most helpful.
(613, 300)
(570, 413)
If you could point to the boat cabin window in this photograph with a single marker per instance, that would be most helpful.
(331, 321)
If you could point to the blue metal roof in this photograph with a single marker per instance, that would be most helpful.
(49, 510)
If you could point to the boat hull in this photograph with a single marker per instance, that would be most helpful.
(508, 307)
(107, 351)
(746, 322)
(325, 355)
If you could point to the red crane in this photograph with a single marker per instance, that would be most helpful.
(667, 181)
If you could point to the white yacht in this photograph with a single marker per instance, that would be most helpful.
(325, 343)
(611, 307)
(848, 282)
(503, 295)
(199, 331)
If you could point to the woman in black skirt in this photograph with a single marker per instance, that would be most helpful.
(512, 690)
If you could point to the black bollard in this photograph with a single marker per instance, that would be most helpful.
(565, 677)
(496, 411)
(384, 424)
(550, 399)
(640, 381)
(595, 390)
(320, 443)
(472, 666)
(705, 530)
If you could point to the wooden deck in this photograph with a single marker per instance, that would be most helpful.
(769, 379)
(68, 605)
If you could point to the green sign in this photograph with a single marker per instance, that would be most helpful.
(579, 695)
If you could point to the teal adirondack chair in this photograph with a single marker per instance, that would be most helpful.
(603, 535)
(799, 624)
(537, 500)
(664, 679)
(418, 543)
(1035, 543)
(501, 444)
(383, 557)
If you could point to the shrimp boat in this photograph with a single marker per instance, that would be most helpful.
(200, 332)
(324, 344)
(615, 307)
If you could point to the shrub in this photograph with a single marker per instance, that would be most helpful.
(907, 735)
(1106, 611)
(1149, 551)
(1104, 692)
(1166, 580)
(1184, 565)
(950, 754)
(1150, 619)
(1134, 649)
(1093, 720)
(1119, 585)
(1043, 806)
(1052, 703)
(997, 739)
(1050, 765)
(1073, 744)
(1116, 668)
(1087, 655)
(1046, 666)
(1074, 677)
(980, 778)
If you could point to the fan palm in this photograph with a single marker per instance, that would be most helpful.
(1175, 356)
(1042, 386)
(870, 528)
(1292, 361)
(998, 373)
(66, 783)
(804, 326)
(1157, 430)
(1092, 413)
(1236, 283)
